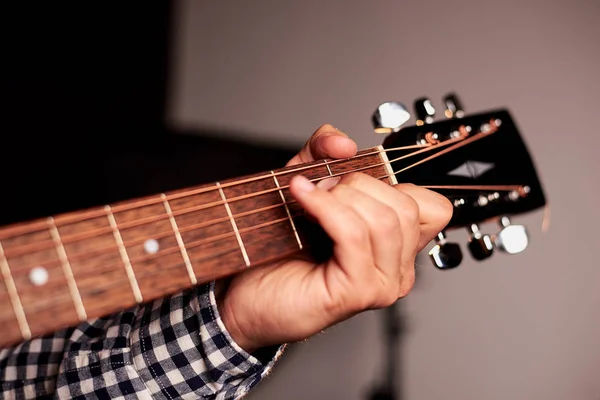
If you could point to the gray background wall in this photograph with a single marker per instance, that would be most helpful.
(520, 327)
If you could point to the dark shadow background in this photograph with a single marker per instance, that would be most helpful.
(83, 97)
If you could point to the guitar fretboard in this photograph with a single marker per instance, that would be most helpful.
(73, 267)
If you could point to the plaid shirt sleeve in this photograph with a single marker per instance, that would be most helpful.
(174, 348)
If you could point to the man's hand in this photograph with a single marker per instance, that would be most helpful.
(377, 231)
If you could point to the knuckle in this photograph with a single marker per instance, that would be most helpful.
(355, 231)
(356, 234)
(383, 297)
(446, 209)
(377, 292)
(409, 211)
(407, 282)
(385, 220)
(342, 189)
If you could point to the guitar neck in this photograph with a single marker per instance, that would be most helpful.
(69, 268)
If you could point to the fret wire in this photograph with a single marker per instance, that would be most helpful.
(283, 171)
(423, 148)
(157, 258)
(146, 220)
(184, 253)
(90, 214)
(66, 219)
(211, 222)
(205, 258)
(388, 166)
(33, 247)
(327, 165)
(13, 295)
(130, 243)
(251, 228)
(234, 226)
(214, 238)
(67, 271)
(287, 210)
(231, 216)
(124, 256)
(94, 213)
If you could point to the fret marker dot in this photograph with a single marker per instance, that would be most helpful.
(38, 276)
(151, 246)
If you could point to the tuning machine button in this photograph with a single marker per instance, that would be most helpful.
(445, 255)
(480, 245)
(512, 239)
(424, 111)
(454, 108)
(389, 117)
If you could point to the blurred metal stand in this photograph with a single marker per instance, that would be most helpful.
(388, 387)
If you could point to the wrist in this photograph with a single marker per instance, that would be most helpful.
(229, 320)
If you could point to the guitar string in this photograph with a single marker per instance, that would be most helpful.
(192, 245)
(482, 187)
(69, 239)
(235, 248)
(94, 213)
(145, 273)
(80, 256)
(338, 174)
(125, 283)
(141, 221)
(80, 217)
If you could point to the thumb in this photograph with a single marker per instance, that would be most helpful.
(326, 142)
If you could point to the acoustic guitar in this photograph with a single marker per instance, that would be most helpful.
(58, 271)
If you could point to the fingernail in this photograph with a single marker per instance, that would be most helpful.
(304, 184)
(328, 183)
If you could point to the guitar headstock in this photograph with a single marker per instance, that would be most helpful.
(478, 161)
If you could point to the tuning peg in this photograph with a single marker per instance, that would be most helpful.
(445, 255)
(480, 245)
(389, 117)
(454, 108)
(512, 239)
(424, 111)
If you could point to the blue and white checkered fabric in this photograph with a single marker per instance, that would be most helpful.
(174, 348)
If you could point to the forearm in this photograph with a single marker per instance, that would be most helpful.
(165, 349)
(193, 350)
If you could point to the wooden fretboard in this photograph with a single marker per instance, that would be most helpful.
(73, 267)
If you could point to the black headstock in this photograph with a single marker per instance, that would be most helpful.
(478, 161)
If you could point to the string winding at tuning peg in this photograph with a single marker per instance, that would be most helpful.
(512, 239)
(445, 255)
(480, 245)
(389, 117)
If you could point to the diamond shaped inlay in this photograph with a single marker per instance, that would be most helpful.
(472, 169)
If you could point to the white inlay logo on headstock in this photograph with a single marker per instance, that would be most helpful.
(472, 169)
